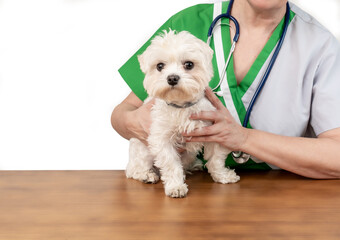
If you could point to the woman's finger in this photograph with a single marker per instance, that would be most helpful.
(211, 116)
(213, 99)
(217, 103)
(202, 139)
(205, 131)
(150, 104)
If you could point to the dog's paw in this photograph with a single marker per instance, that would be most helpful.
(177, 191)
(148, 176)
(225, 176)
(151, 177)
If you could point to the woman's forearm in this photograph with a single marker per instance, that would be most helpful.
(131, 118)
(120, 119)
(311, 157)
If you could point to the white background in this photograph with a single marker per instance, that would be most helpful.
(59, 81)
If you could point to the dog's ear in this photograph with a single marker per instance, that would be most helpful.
(207, 58)
(207, 51)
(142, 63)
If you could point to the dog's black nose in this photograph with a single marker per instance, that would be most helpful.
(173, 79)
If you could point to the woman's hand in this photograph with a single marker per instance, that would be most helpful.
(140, 121)
(224, 130)
(131, 118)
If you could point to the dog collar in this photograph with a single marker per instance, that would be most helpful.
(186, 105)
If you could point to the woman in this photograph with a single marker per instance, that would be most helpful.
(295, 123)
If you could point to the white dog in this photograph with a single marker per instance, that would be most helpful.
(177, 70)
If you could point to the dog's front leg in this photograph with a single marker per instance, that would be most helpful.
(169, 163)
(216, 155)
(168, 160)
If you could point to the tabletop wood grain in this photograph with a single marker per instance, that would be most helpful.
(100, 205)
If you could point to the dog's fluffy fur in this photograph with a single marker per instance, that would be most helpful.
(174, 50)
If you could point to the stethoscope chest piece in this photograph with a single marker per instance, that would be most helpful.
(240, 157)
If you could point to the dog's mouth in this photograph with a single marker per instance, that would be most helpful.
(177, 96)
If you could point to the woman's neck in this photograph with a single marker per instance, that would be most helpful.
(251, 15)
(257, 23)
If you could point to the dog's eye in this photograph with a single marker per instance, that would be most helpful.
(188, 65)
(160, 66)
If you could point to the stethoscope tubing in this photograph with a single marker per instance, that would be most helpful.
(225, 15)
(239, 156)
(269, 68)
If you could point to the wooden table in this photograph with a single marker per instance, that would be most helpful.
(101, 205)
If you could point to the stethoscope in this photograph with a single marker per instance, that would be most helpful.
(238, 156)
